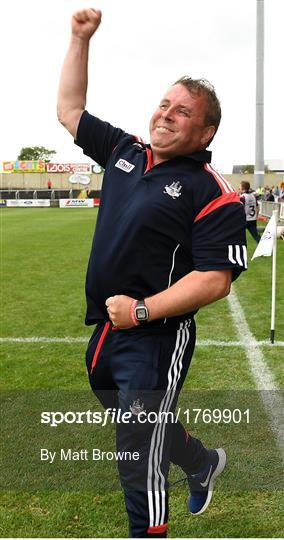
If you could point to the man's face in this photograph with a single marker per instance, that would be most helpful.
(177, 126)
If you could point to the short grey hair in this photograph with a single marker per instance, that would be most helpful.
(202, 86)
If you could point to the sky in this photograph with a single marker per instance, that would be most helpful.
(140, 49)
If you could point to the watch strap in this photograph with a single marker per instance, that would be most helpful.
(132, 312)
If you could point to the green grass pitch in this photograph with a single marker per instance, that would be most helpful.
(43, 262)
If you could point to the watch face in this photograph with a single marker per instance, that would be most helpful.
(141, 314)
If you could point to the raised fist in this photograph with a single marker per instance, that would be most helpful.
(86, 22)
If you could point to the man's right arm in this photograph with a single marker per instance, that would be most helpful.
(74, 76)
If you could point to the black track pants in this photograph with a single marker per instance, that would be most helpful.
(142, 371)
(252, 228)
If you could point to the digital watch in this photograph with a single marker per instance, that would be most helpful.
(141, 312)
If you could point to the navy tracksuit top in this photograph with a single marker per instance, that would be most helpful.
(155, 223)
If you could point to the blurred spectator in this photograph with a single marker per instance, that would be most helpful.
(281, 194)
(83, 194)
(276, 192)
(260, 192)
(250, 203)
(268, 195)
(49, 184)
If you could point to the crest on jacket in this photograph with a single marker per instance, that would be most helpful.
(174, 190)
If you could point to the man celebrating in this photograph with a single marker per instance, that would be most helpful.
(169, 239)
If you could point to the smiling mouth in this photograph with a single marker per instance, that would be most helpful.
(163, 129)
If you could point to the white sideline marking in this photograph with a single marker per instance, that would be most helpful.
(263, 377)
(42, 339)
(82, 339)
(217, 343)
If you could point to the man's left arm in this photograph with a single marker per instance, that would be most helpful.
(191, 292)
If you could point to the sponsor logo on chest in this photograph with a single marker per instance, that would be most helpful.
(124, 165)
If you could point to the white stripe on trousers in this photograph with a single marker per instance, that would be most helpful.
(155, 476)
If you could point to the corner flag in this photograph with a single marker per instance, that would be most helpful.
(267, 247)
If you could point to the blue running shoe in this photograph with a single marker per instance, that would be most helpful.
(201, 485)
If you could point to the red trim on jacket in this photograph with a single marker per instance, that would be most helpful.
(150, 163)
(226, 198)
(157, 529)
(224, 185)
(100, 344)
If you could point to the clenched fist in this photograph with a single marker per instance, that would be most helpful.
(119, 310)
(86, 22)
